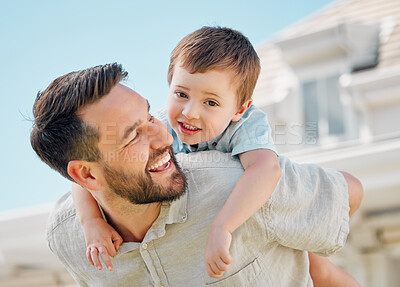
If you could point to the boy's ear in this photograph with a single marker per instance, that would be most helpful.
(242, 110)
(81, 172)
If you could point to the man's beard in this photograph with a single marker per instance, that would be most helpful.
(139, 188)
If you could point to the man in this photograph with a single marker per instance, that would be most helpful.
(99, 133)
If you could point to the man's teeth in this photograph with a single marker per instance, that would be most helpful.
(161, 162)
(189, 127)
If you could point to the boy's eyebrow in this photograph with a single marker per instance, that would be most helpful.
(205, 92)
(212, 94)
(131, 128)
(182, 87)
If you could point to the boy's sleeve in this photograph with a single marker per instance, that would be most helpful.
(162, 116)
(251, 132)
(309, 209)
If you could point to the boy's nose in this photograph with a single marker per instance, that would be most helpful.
(190, 111)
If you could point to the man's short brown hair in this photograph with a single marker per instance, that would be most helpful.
(217, 48)
(59, 135)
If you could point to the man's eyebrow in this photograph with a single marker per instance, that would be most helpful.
(148, 105)
(131, 128)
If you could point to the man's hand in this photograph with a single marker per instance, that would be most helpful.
(217, 257)
(103, 240)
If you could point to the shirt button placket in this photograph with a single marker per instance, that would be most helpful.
(153, 264)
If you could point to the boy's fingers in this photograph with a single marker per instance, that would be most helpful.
(117, 244)
(227, 258)
(110, 249)
(89, 256)
(221, 265)
(217, 273)
(95, 257)
(117, 240)
(105, 258)
(210, 271)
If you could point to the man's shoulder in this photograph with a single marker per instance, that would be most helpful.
(63, 211)
(208, 160)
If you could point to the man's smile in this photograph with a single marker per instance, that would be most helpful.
(161, 165)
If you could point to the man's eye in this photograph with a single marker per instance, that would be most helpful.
(212, 103)
(181, 95)
(134, 139)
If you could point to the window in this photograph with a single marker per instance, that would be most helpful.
(323, 111)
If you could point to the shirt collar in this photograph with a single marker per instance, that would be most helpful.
(170, 213)
(203, 146)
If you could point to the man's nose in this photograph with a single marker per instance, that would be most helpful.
(191, 111)
(159, 136)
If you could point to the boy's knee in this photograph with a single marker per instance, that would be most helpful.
(356, 192)
(320, 269)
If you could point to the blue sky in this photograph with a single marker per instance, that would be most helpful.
(41, 40)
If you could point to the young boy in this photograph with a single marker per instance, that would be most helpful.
(212, 75)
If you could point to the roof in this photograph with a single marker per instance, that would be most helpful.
(275, 73)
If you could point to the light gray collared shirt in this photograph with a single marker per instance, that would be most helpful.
(307, 211)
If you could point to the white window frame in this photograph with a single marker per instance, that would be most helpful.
(319, 72)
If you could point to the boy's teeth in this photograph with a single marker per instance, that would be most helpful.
(189, 127)
(161, 162)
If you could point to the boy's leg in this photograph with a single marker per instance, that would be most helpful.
(325, 274)
(356, 192)
(322, 271)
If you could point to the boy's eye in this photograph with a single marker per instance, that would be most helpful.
(181, 95)
(212, 103)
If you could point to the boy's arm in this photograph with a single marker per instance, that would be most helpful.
(253, 189)
(100, 237)
(85, 204)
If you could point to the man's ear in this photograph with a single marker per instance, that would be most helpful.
(242, 110)
(83, 174)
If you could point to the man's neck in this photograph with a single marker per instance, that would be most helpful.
(133, 221)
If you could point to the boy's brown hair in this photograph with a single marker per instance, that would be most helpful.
(218, 48)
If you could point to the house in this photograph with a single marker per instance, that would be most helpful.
(330, 85)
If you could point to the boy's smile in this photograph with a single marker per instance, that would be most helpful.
(201, 105)
(188, 129)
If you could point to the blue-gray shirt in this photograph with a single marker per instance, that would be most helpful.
(309, 210)
(251, 132)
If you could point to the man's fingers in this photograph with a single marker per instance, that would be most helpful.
(94, 254)
(105, 257)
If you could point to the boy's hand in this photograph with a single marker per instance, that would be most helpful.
(103, 240)
(217, 257)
